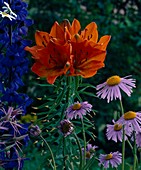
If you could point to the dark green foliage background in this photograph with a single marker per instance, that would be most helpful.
(122, 20)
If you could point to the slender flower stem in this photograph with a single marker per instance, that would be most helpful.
(123, 148)
(77, 79)
(64, 154)
(121, 106)
(130, 144)
(68, 94)
(52, 156)
(123, 138)
(84, 137)
(132, 148)
(80, 150)
(134, 151)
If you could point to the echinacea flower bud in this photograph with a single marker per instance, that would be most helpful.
(66, 127)
(90, 150)
(34, 131)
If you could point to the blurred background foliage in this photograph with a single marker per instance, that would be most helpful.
(122, 20)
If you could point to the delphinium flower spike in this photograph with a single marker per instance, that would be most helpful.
(111, 89)
(13, 65)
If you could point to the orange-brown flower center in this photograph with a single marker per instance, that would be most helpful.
(109, 156)
(114, 80)
(88, 155)
(76, 106)
(129, 115)
(117, 127)
(66, 127)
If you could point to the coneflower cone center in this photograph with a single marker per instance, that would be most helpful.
(114, 80)
(66, 127)
(117, 127)
(129, 115)
(76, 106)
(88, 155)
(109, 156)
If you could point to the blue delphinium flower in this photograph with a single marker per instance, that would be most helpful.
(13, 60)
(11, 159)
(13, 65)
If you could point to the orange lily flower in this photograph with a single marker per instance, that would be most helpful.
(88, 53)
(59, 34)
(51, 61)
(65, 49)
(86, 58)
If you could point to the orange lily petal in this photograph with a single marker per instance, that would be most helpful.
(84, 51)
(76, 38)
(35, 51)
(104, 41)
(86, 59)
(75, 27)
(65, 23)
(55, 55)
(90, 32)
(53, 61)
(41, 38)
(89, 70)
(57, 32)
(50, 74)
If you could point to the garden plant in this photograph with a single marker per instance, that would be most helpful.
(57, 127)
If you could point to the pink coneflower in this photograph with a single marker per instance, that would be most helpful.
(114, 159)
(111, 88)
(132, 119)
(78, 110)
(115, 132)
(90, 150)
(66, 127)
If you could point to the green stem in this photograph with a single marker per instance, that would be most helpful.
(123, 138)
(77, 79)
(64, 154)
(123, 148)
(135, 152)
(52, 156)
(84, 137)
(68, 94)
(130, 144)
(80, 150)
(121, 106)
